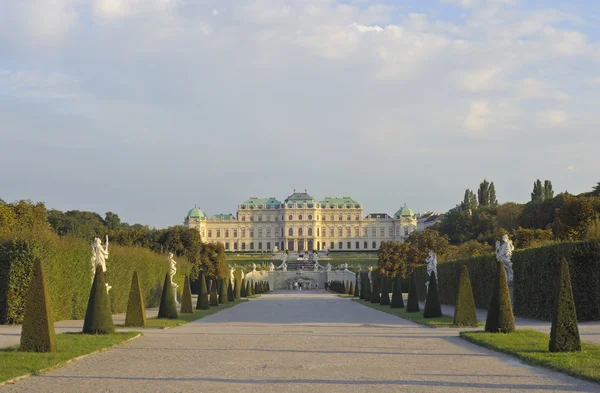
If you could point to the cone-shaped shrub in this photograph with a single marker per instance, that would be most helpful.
(564, 334)
(186, 300)
(500, 317)
(375, 297)
(256, 289)
(385, 292)
(397, 300)
(361, 293)
(412, 303)
(223, 293)
(98, 317)
(230, 295)
(249, 291)
(237, 290)
(136, 311)
(351, 290)
(243, 288)
(168, 307)
(202, 303)
(356, 288)
(37, 334)
(346, 288)
(464, 312)
(213, 300)
(268, 287)
(433, 309)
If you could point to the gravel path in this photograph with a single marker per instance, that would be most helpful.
(300, 342)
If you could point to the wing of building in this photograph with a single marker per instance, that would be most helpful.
(302, 223)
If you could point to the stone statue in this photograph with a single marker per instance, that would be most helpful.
(283, 265)
(271, 267)
(370, 278)
(328, 267)
(358, 278)
(231, 276)
(254, 267)
(345, 266)
(431, 267)
(99, 257)
(172, 271)
(504, 253)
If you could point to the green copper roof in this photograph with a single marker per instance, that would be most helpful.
(404, 212)
(196, 212)
(261, 203)
(223, 217)
(335, 202)
(300, 197)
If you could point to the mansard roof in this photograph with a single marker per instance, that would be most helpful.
(337, 202)
(261, 203)
(299, 197)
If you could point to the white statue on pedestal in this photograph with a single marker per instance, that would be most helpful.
(328, 267)
(283, 265)
(504, 253)
(254, 267)
(370, 278)
(231, 276)
(99, 257)
(271, 267)
(345, 266)
(172, 271)
(431, 267)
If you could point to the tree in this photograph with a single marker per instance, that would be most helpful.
(537, 195)
(168, 306)
(483, 193)
(500, 317)
(564, 333)
(469, 202)
(230, 295)
(433, 309)
(351, 290)
(238, 287)
(223, 291)
(397, 300)
(112, 220)
(573, 218)
(465, 313)
(596, 190)
(493, 201)
(37, 334)
(412, 303)
(98, 317)
(507, 215)
(136, 312)
(421, 242)
(392, 258)
(186, 300)
(385, 292)
(548, 191)
(375, 297)
(202, 303)
(213, 300)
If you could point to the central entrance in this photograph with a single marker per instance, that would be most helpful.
(291, 245)
(300, 245)
(311, 246)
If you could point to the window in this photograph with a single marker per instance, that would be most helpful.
(374, 245)
(318, 232)
(331, 245)
(355, 231)
(290, 217)
(349, 245)
(252, 245)
(349, 218)
(300, 217)
(357, 217)
(332, 217)
(382, 232)
(226, 232)
(243, 232)
(210, 233)
(235, 246)
(324, 218)
(374, 232)
(405, 231)
(391, 232)
(291, 232)
(218, 233)
(348, 232)
(251, 218)
(340, 244)
(365, 232)
(260, 245)
(397, 230)
(357, 245)
(340, 217)
(260, 232)
(227, 246)
(310, 233)
(243, 246)
(235, 233)
(281, 232)
(330, 232)
(268, 233)
(300, 232)
(251, 233)
(340, 234)
(366, 245)
(260, 218)
(268, 245)
(243, 218)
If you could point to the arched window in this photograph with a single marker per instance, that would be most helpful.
(374, 245)
(260, 232)
(340, 233)
(310, 216)
(243, 218)
(310, 232)
(348, 234)
(235, 246)
(291, 232)
(299, 231)
(243, 232)
(300, 217)
(349, 218)
(227, 246)
(341, 218)
(366, 245)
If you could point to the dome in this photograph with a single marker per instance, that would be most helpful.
(404, 212)
(196, 212)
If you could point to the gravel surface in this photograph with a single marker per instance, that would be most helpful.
(300, 342)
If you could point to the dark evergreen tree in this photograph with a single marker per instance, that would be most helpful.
(362, 286)
(469, 201)
(537, 195)
(384, 300)
(230, 295)
(548, 191)
(356, 288)
(483, 193)
(433, 309)
(168, 306)
(249, 291)
(351, 290)
(375, 294)
(213, 300)
(37, 333)
(465, 313)
(397, 300)
(564, 334)
(98, 316)
(223, 291)
(237, 288)
(202, 303)
(186, 300)
(136, 311)
(412, 303)
(243, 288)
(500, 317)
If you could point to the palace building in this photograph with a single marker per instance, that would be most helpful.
(301, 223)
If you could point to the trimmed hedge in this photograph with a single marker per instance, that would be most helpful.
(168, 305)
(564, 333)
(136, 312)
(67, 266)
(186, 299)
(535, 272)
(98, 318)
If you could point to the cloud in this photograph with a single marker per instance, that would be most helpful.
(552, 118)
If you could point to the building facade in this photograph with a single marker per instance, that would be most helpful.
(301, 223)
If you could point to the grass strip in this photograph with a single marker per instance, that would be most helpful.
(416, 317)
(182, 319)
(14, 363)
(532, 347)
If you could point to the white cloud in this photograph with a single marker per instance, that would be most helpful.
(478, 116)
(552, 118)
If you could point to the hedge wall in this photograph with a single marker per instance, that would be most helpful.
(535, 272)
(67, 266)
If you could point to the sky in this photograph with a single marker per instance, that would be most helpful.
(148, 107)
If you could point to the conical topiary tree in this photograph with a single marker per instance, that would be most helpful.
(213, 299)
(186, 300)
(500, 317)
(564, 334)
(375, 297)
(346, 287)
(356, 288)
(202, 303)
(243, 288)
(98, 317)
(433, 309)
(249, 288)
(237, 292)
(168, 307)
(385, 292)
(256, 289)
(37, 333)
(136, 311)
(230, 295)
(223, 292)
(412, 303)
(351, 290)
(464, 312)
(397, 300)
(363, 282)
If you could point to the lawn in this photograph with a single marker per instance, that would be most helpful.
(185, 318)
(416, 317)
(532, 347)
(70, 345)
